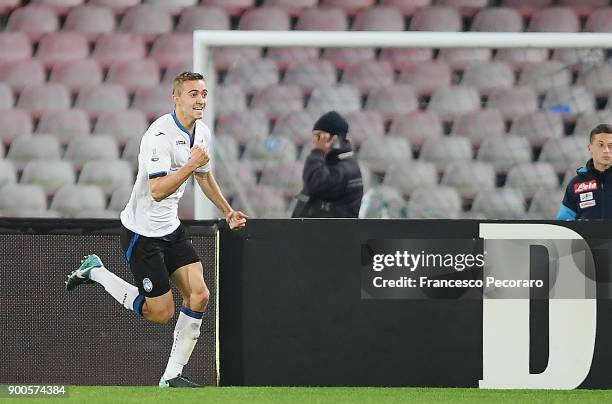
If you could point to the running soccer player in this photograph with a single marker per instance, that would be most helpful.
(174, 148)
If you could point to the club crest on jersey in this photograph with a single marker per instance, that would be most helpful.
(147, 284)
(585, 186)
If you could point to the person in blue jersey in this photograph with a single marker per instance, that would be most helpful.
(173, 149)
(588, 195)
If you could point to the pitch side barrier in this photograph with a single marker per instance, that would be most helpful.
(50, 336)
(449, 303)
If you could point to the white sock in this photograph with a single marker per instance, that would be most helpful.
(122, 291)
(186, 334)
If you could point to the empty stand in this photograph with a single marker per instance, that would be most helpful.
(362, 125)
(600, 20)
(426, 77)
(538, 127)
(309, 76)
(209, 18)
(77, 75)
(284, 176)
(134, 74)
(22, 200)
(269, 149)
(172, 48)
(50, 175)
(369, 75)
(438, 202)
(408, 176)
(147, 21)
(546, 75)
(392, 100)
(8, 173)
(65, 125)
(380, 154)
(33, 20)
(383, 202)
(118, 47)
(27, 148)
(297, 126)
(380, 18)
(342, 98)
(106, 174)
(554, 19)
(20, 73)
(531, 177)
(451, 102)
(462, 58)
(513, 102)
(569, 101)
(278, 100)
(486, 77)
(566, 152)
(288, 57)
(14, 46)
(253, 75)
(153, 101)
(436, 19)
(267, 18)
(90, 20)
(58, 47)
(41, 98)
(14, 123)
(504, 152)
(70, 200)
(446, 150)
(101, 98)
(123, 125)
(479, 125)
(322, 19)
(469, 177)
(500, 204)
(417, 127)
(233, 7)
(498, 19)
(83, 149)
(244, 126)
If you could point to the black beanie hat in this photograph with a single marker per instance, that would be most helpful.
(332, 123)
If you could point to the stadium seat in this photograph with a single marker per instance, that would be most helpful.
(544, 76)
(235, 175)
(426, 77)
(22, 200)
(579, 59)
(342, 98)
(131, 150)
(369, 75)
(380, 154)
(538, 127)
(447, 150)
(297, 126)
(284, 176)
(569, 101)
(123, 125)
(439, 202)
(106, 174)
(406, 7)
(40, 98)
(469, 177)
(14, 46)
(134, 74)
(266, 18)
(171, 48)
(383, 202)
(64, 125)
(322, 19)
(513, 102)
(118, 47)
(292, 7)
(6, 97)
(50, 175)
(486, 77)
(584, 7)
(350, 7)
(545, 204)
(117, 6)
(565, 152)
(33, 20)
(8, 5)
(174, 70)
(253, 75)
(527, 7)
(600, 20)
(84, 149)
(309, 76)
(14, 123)
(244, 126)
(58, 47)
(379, 18)
(8, 173)
(462, 58)
(174, 7)
(392, 100)
(554, 19)
(120, 197)
(77, 75)
(90, 20)
(402, 58)
(288, 57)
(480, 124)
(209, 18)
(436, 19)
(531, 177)
(497, 19)
(153, 101)
(20, 73)
(451, 102)
(362, 125)
(277, 100)
(587, 121)
(27, 148)
(467, 7)
(146, 21)
(504, 152)
(233, 7)
(408, 176)
(265, 202)
(500, 204)
(224, 58)
(519, 57)
(597, 79)
(70, 200)
(270, 149)
(228, 99)
(104, 97)
(417, 127)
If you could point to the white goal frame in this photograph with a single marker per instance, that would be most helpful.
(205, 41)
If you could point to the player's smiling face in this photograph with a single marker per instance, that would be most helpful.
(190, 103)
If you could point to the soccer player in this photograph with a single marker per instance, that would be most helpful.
(174, 148)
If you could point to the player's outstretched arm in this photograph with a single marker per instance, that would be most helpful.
(162, 187)
(235, 218)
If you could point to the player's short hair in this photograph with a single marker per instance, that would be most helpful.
(601, 128)
(177, 83)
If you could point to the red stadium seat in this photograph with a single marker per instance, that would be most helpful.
(478, 125)
(34, 21)
(446, 150)
(226, 57)
(40, 98)
(118, 47)
(392, 100)
(21, 200)
(365, 125)
(171, 48)
(8, 5)
(14, 46)
(265, 18)
(308, 76)
(401, 58)
(287, 57)
(343, 57)
(83, 149)
(513, 102)
(50, 175)
(229, 99)
(296, 126)
(342, 98)
(65, 125)
(292, 7)
(209, 18)
(467, 7)
(61, 7)
(379, 18)
(436, 19)
(350, 7)
(569, 101)
(451, 102)
(253, 75)
(77, 75)
(123, 125)
(322, 19)
(90, 20)
(498, 19)
(545, 75)
(14, 123)
(58, 47)
(526, 7)
(117, 6)
(244, 126)
(504, 152)
(538, 127)
(71, 200)
(409, 176)
(554, 19)
(104, 97)
(233, 7)
(153, 101)
(469, 178)
(417, 127)
(519, 57)
(106, 174)
(21, 73)
(486, 77)
(584, 7)
(600, 20)
(426, 77)
(173, 7)
(462, 58)
(147, 21)
(406, 7)
(6, 97)
(27, 148)
(369, 75)
(174, 70)
(134, 74)
(278, 100)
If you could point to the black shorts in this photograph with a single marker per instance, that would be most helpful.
(153, 259)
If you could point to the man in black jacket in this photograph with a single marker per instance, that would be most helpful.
(588, 195)
(332, 180)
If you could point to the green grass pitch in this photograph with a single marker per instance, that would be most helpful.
(331, 395)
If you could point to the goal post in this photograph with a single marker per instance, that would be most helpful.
(205, 41)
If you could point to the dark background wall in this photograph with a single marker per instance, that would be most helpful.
(50, 335)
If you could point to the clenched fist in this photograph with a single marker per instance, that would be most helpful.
(199, 155)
